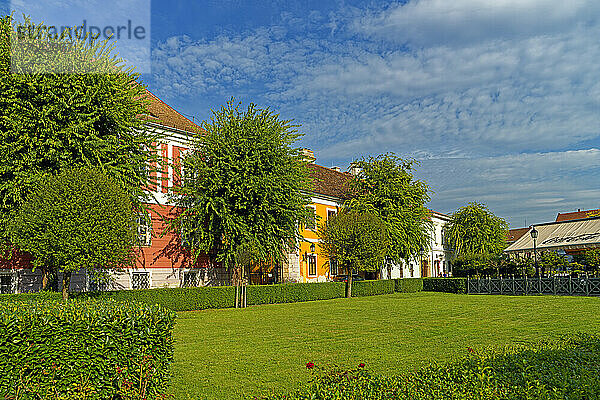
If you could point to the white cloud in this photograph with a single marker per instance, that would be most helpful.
(485, 81)
(434, 22)
(517, 187)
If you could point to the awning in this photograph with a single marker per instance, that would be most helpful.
(577, 234)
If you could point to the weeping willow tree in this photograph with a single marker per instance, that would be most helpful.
(476, 235)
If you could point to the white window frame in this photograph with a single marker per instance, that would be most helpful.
(187, 272)
(144, 232)
(13, 280)
(147, 273)
(327, 210)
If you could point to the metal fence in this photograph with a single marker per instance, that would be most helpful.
(557, 285)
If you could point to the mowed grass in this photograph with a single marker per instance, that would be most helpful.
(229, 354)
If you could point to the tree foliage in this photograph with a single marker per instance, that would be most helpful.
(386, 187)
(79, 218)
(356, 240)
(590, 258)
(243, 187)
(52, 121)
(474, 231)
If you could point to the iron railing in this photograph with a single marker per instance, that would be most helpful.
(523, 286)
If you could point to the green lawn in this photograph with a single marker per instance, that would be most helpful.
(221, 354)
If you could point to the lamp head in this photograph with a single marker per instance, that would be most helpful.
(533, 232)
(312, 247)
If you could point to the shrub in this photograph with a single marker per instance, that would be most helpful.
(408, 285)
(84, 349)
(176, 299)
(371, 288)
(446, 285)
(565, 369)
(295, 292)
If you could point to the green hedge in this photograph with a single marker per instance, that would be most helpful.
(446, 285)
(568, 368)
(84, 349)
(176, 299)
(372, 288)
(408, 285)
(294, 292)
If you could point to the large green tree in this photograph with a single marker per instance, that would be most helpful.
(476, 236)
(242, 187)
(85, 113)
(79, 218)
(386, 186)
(358, 241)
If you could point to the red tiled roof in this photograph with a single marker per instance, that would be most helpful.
(328, 181)
(161, 113)
(576, 215)
(515, 234)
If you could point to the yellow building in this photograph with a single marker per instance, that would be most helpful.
(306, 263)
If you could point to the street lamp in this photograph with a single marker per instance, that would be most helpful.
(534, 235)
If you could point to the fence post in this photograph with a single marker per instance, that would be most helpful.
(587, 285)
(570, 285)
(500, 284)
(539, 287)
(554, 285)
(468, 281)
(525, 289)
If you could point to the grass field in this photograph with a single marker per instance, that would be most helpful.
(226, 354)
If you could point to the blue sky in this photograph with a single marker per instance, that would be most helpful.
(500, 101)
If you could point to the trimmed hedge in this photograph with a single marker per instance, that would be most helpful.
(372, 288)
(408, 285)
(568, 368)
(176, 299)
(84, 349)
(294, 292)
(446, 285)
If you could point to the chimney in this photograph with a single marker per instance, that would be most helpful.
(308, 156)
(354, 169)
(336, 169)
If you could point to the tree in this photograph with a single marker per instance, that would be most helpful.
(88, 115)
(243, 186)
(386, 187)
(552, 261)
(476, 234)
(590, 258)
(357, 241)
(79, 218)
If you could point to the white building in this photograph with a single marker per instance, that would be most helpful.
(434, 263)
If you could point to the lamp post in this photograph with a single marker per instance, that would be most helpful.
(534, 235)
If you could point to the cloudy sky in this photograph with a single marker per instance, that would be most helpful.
(499, 100)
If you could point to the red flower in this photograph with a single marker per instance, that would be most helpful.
(310, 365)
(361, 365)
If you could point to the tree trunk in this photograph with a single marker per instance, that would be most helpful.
(349, 286)
(66, 283)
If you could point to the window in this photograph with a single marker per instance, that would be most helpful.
(312, 221)
(6, 283)
(144, 226)
(333, 267)
(140, 280)
(190, 278)
(312, 265)
(96, 283)
(331, 214)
